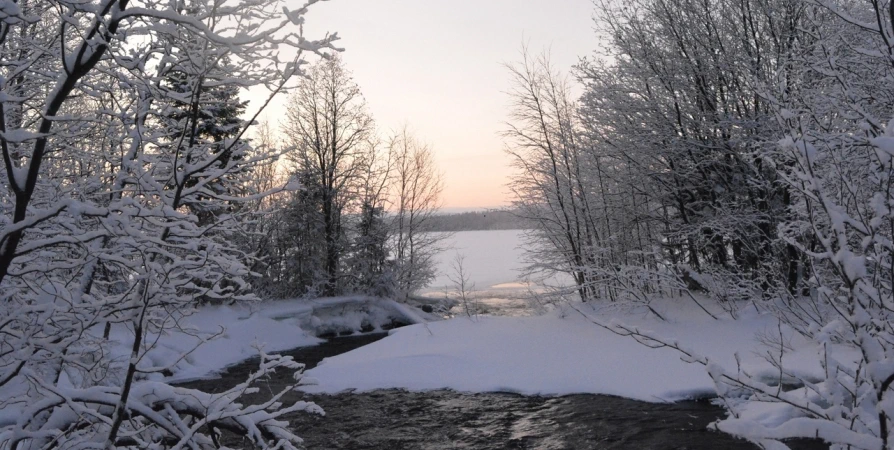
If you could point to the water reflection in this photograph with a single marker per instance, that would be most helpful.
(396, 419)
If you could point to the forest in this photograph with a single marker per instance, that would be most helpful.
(735, 155)
(738, 151)
(477, 220)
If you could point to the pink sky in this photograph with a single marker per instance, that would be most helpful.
(437, 65)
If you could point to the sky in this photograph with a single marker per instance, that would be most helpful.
(438, 67)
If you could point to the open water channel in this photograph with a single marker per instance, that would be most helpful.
(396, 419)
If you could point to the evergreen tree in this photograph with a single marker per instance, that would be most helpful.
(327, 125)
(369, 256)
(205, 116)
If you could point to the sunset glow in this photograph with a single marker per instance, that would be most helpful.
(437, 66)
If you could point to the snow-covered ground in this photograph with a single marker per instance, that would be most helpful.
(561, 352)
(235, 333)
(273, 326)
(285, 324)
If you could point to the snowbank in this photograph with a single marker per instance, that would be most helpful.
(274, 326)
(558, 353)
(241, 332)
(238, 332)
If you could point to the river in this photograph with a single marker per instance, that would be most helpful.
(396, 419)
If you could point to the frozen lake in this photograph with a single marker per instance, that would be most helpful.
(493, 262)
(492, 258)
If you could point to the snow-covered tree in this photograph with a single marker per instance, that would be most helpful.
(834, 103)
(368, 259)
(327, 125)
(416, 191)
(654, 181)
(116, 213)
(755, 138)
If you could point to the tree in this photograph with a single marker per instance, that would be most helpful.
(549, 188)
(759, 135)
(654, 181)
(257, 235)
(99, 217)
(327, 124)
(204, 113)
(416, 191)
(835, 156)
(370, 244)
(300, 241)
(463, 287)
(692, 133)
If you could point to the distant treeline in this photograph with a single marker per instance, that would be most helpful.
(476, 220)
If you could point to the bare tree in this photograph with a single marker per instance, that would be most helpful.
(551, 189)
(416, 191)
(463, 287)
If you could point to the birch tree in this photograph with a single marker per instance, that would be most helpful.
(416, 191)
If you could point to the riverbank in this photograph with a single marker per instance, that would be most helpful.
(212, 338)
(534, 355)
(561, 352)
(444, 419)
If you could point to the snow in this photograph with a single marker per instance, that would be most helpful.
(561, 352)
(241, 330)
(236, 333)
(493, 262)
(19, 135)
(492, 258)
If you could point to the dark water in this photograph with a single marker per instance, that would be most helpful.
(395, 419)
